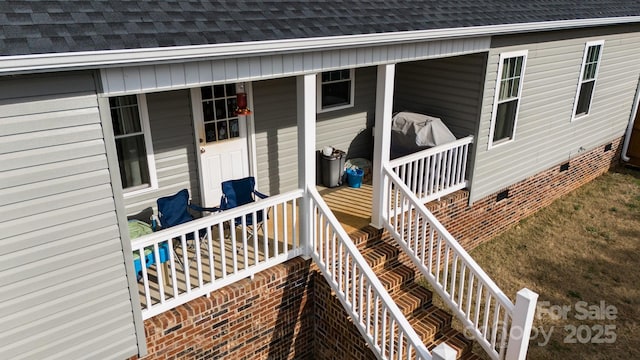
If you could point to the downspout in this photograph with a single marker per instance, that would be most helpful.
(627, 137)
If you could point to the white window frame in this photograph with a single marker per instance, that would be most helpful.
(496, 96)
(143, 113)
(319, 83)
(581, 81)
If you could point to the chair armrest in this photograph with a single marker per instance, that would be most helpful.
(260, 195)
(200, 208)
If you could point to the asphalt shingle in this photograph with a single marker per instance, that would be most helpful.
(36, 27)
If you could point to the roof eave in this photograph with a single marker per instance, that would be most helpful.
(109, 58)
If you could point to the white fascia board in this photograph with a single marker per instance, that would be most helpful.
(109, 58)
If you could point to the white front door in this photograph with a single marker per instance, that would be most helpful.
(221, 137)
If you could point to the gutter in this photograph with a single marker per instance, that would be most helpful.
(627, 137)
(110, 58)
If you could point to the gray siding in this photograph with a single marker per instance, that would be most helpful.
(276, 134)
(545, 135)
(449, 88)
(63, 288)
(174, 150)
(350, 129)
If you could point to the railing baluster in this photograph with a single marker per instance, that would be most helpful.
(431, 240)
(295, 241)
(145, 276)
(368, 310)
(445, 278)
(478, 305)
(245, 243)
(223, 250)
(487, 312)
(421, 177)
(449, 166)
(172, 262)
(234, 251)
(196, 240)
(354, 283)
(285, 226)
(275, 231)
(186, 266)
(156, 255)
(469, 295)
(463, 269)
(454, 271)
(494, 325)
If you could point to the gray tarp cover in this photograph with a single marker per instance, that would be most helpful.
(413, 131)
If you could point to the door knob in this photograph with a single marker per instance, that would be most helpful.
(202, 150)
(201, 140)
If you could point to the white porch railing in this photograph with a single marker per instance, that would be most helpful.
(374, 313)
(498, 325)
(435, 172)
(209, 253)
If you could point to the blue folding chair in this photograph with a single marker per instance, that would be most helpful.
(174, 210)
(240, 192)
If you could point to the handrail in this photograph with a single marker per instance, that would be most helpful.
(456, 277)
(213, 253)
(373, 311)
(435, 172)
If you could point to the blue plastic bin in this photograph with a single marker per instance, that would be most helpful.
(354, 177)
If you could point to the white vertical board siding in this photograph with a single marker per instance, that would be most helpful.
(545, 135)
(63, 288)
(276, 134)
(174, 150)
(350, 129)
(149, 78)
(449, 88)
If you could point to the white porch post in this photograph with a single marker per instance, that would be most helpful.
(521, 324)
(382, 138)
(306, 98)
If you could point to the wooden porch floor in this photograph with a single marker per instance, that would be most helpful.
(352, 207)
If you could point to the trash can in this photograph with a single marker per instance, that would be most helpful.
(354, 177)
(333, 168)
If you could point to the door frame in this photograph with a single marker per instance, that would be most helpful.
(250, 138)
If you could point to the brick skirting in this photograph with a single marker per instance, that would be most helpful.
(269, 317)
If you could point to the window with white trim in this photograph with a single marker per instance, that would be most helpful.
(588, 76)
(132, 135)
(219, 104)
(507, 97)
(335, 90)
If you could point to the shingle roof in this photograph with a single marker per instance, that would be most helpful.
(50, 26)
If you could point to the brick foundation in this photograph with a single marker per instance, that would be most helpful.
(487, 217)
(285, 312)
(269, 317)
